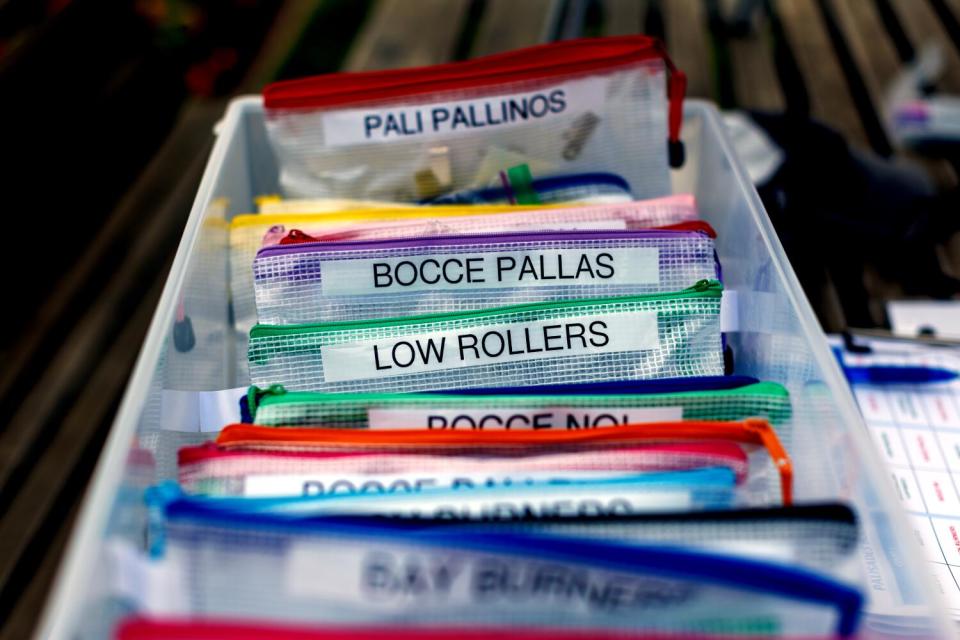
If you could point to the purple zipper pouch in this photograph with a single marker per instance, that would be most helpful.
(335, 281)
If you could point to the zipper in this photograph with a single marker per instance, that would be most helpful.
(296, 236)
(540, 186)
(708, 479)
(541, 62)
(702, 289)
(705, 454)
(306, 244)
(225, 629)
(276, 394)
(415, 213)
(670, 561)
(626, 387)
(383, 215)
(750, 431)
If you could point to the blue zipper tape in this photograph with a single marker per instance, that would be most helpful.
(668, 561)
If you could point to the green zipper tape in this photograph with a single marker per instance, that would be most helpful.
(278, 407)
(702, 289)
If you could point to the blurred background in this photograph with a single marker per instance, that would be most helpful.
(843, 111)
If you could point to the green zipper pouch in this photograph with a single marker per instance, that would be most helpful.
(280, 408)
(666, 335)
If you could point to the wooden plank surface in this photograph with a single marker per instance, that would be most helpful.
(26, 530)
(21, 622)
(685, 23)
(755, 80)
(623, 17)
(923, 27)
(73, 402)
(292, 18)
(830, 99)
(880, 64)
(874, 53)
(400, 33)
(512, 24)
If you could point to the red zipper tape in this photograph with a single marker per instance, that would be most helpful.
(544, 61)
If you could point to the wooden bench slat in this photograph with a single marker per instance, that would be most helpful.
(157, 235)
(20, 623)
(830, 99)
(755, 78)
(880, 64)
(50, 474)
(400, 33)
(623, 17)
(686, 34)
(509, 24)
(873, 51)
(291, 21)
(923, 26)
(82, 362)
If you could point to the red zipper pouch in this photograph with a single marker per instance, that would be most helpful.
(587, 106)
(213, 470)
(222, 629)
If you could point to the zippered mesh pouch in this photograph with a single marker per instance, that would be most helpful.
(249, 232)
(654, 336)
(210, 470)
(276, 204)
(583, 188)
(267, 566)
(167, 628)
(512, 496)
(816, 536)
(770, 476)
(533, 410)
(333, 281)
(577, 106)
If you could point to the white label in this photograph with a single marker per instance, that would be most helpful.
(518, 419)
(508, 269)
(337, 484)
(379, 125)
(439, 582)
(539, 501)
(492, 344)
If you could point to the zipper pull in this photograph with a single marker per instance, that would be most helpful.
(255, 395)
(296, 236)
(781, 459)
(705, 285)
(676, 90)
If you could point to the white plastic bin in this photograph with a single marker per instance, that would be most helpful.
(778, 339)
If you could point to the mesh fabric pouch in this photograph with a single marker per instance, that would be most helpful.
(262, 566)
(578, 106)
(334, 281)
(215, 471)
(587, 188)
(531, 409)
(249, 232)
(170, 628)
(770, 475)
(822, 537)
(665, 491)
(277, 204)
(641, 337)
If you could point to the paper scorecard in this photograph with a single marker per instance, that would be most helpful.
(916, 430)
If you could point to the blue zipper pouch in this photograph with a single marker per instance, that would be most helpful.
(269, 566)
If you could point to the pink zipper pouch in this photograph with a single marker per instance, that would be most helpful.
(213, 470)
(639, 214)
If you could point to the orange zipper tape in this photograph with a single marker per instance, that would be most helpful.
(750, 431)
